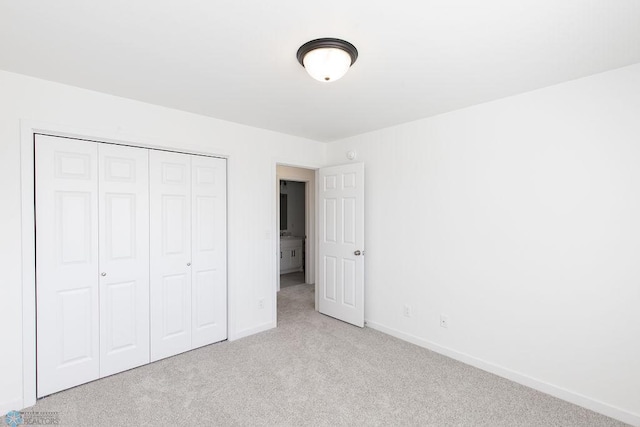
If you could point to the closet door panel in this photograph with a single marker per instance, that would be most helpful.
(66, 263)
(170, 225)
(209, 322)
(124, 257)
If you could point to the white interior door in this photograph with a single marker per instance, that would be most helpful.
(341, 246)
(124, 257)
(209, 249)
(66, 263)
(170, 205)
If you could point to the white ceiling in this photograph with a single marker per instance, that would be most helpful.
(235, 60)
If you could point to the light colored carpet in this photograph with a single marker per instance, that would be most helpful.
(291, 279)
(311, 370)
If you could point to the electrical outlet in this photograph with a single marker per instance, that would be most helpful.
(406, 310)
(261, 303)
(444, 321)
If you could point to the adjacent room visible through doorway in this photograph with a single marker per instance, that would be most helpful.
(295, 210)
(292, 233)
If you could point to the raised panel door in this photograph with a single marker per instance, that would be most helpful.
(66, 263)
(124, 257)
(170, 240)
(341, 245)
(209, 248)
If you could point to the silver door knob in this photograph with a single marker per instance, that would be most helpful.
(188, 264)
(103, 274)
(357, 253)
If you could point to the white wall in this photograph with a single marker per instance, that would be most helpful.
(517, 218)
(295, 207)
(520, 220)
(251, 169)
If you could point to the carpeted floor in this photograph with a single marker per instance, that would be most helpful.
(311, 370)
(291, 279)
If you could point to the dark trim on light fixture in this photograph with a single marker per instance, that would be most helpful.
(327, 43)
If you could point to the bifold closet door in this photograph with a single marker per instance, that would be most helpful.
(130, 257)
(209, 250)
(170, 205)
(66, 197)
(124, 257)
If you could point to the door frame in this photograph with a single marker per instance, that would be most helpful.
(310, 206)
(28, 130)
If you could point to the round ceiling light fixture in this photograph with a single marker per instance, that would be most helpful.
(327, 59)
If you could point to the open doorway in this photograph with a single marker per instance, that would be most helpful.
(335, 196)
(292, 233)
(296, 224)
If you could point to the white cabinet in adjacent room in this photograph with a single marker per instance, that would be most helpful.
(296, 258)
(291, 254)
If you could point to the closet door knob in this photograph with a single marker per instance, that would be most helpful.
(188, 264)
(103, 274)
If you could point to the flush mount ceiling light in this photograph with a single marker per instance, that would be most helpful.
(327, 59)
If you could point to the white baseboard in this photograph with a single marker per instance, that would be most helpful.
(10, 405)
(559, 392)
(251, 331)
